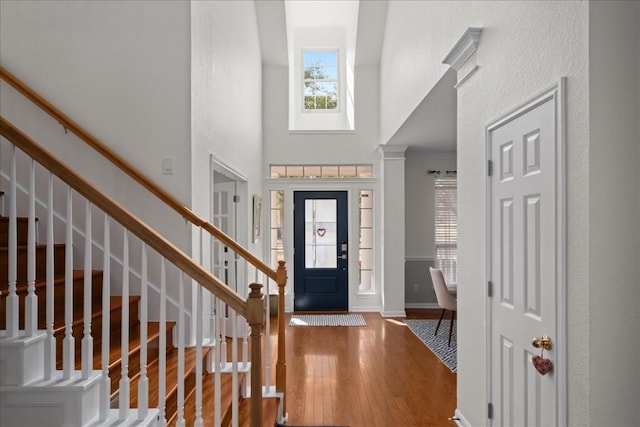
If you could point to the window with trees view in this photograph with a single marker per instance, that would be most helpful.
(320, 80)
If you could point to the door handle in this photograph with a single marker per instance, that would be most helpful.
(343, 256)
(543, 342)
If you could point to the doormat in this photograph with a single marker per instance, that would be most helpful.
(424, 330)
(327, 320)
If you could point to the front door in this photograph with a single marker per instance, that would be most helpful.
(320, 250)
(526, 253)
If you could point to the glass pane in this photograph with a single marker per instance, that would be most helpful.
(330, 171)
(321, 256)
(365, 259)
(295, 171)
(320, 65)
(312, 171)
(365, 280)
(320, 233)
(347, 171)
(325, 210)
(366, 218)
(366, 201)
(365, 171)
(278, 171)
(366, 238)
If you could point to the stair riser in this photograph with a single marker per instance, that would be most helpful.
(22, 231)
(172, 397)
(96, 329)
(41, 263)
(59, 300)
(115, 372)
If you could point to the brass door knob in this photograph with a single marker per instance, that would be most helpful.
(542, 342)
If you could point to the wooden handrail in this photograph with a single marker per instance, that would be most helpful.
(126, 167)
(124, 217)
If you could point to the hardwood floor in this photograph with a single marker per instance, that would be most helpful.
(378, 375)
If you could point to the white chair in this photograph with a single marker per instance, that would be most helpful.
(446, 301)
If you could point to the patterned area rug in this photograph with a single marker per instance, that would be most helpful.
(424, 330)
(327, 320)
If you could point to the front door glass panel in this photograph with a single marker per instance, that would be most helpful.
(320, 233)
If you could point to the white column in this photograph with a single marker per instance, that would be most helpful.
(393, 219)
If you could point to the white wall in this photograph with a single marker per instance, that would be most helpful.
(525, 47)
(614, 110)
(284, 147)
(226, 103)
(120, 70)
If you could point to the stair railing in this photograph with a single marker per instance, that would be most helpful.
(279, 275)
(252, 309)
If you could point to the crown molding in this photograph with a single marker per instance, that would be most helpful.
(464, 48)
(392, 151)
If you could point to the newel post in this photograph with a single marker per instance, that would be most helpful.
(256, 317)
(281, 366)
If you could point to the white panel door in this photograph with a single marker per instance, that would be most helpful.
(524, 252)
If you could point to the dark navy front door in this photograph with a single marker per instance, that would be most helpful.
(321, 250)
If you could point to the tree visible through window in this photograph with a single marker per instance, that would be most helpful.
(446, 227)
(320, 80)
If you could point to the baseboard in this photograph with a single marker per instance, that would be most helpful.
(394, 313)
(460, 420)
(432, 305)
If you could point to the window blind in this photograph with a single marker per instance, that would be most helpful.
(446, 227)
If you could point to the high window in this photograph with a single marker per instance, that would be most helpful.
(321, 88)
(446, 227)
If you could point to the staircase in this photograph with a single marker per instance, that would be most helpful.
(134, 343)
(65, 357)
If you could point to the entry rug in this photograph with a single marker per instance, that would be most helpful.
(424, 330)
(327, 320)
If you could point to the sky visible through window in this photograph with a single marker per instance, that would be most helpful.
(320, 80)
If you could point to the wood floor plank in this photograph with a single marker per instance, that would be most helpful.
(377, 375)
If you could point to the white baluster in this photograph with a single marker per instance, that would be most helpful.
(234, 362)
(199, 338)
(222, 320)
(181, 320)
(31, 301)
(212, 303)
(68, 344)
(12, 296)
(162, 344)
(87, 339)
(106, 322)
(50, 344)
(124, 379)
(217, 358)
(143, 382)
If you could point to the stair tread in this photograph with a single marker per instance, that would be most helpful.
(208, 401)
(269, 411)
(115, 351)
(115, 304)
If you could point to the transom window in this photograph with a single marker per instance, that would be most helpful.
(321, 171)
(320, 80)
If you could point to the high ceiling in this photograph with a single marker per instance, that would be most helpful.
(431, 126)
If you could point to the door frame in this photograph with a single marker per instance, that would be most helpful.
(557, 93)
(241, 211)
